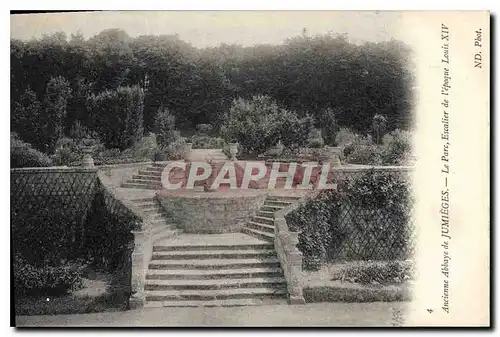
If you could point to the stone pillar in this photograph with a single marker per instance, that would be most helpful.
(138, 297)
(87, 161)
(296, 296)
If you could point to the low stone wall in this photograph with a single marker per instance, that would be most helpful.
(143, 241)
(211, 212)
(119, 173)
(285, 243)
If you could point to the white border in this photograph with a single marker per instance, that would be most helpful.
(188, 5)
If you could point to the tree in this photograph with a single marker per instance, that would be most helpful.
(165, 128)
(117, 116)
(329, 127)
(57, 95)
(252, 123)
(379, 125)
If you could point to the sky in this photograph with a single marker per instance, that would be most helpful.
(210, 28)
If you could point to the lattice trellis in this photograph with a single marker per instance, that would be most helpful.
(369, 217)
(370, 230)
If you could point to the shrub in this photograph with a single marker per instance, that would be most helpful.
(204, 129)
(57, 94)
(315, 140)
(345, 137)
(24, 155)
(397, 147)
(252, 123)
(375, 272)
(206, 142)
(117, 115)
(329, 126)
(176, 150)
(367, 218)
(364, 155)
(379, 125)
(46, 280)
(316, 143)
(293, 131)
(316, 220)
(165, 128)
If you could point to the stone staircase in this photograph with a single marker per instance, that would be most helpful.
(230, 269)
(262, 225)
(161, 227)
(150, 177)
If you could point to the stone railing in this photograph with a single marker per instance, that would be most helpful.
(285, 244)
(143, 242)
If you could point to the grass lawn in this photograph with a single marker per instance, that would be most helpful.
(359, 281)
(99, 294)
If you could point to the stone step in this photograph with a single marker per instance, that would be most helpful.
(211, 274)
(150, 173)
(266, 214)
(146, 177)
(207, 295)
(218, 303)
(281, 198)
(164, 234)
(276, 282)
(217, 254)
(143, 200)
(263, 220)
(213, 247)
(157, 216)
(215, 264)
(278, 203)
(258, 234)
(153, 210)
(140, 186)
(145, 182)
(260, 226)
(154, 169)
(161, 221)
(162, 165)
(158, 228)
(147, 205)
(271, 208)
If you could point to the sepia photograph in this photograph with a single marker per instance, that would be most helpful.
(249, 168)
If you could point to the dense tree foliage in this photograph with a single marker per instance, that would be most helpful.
(307, 75)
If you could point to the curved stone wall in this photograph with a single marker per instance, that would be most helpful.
(211, 212)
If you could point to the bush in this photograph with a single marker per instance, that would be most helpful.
(397, 147)
(24, 155)
(176, 150)
(46, 280)
(293, 131)
(204, 129)
(364, 155)
(252, 123)
(345, 137)
(259, 123)
(316, 143)
(206, 142)
(117, 115)
(367, 218)
(165, 128)
(375, 272)
(329, 126)
(316, 220)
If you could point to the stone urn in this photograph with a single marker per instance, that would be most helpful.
(88, 161)
(331, 155)
(233, 150)
(276, 150)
